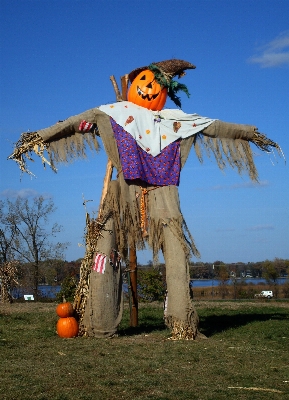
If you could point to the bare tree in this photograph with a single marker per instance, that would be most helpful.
(7, 234)
(27, 235)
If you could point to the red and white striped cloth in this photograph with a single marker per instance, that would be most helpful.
(99, 263)
(85, 126)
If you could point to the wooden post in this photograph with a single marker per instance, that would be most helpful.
(116, 89)
(107, 179)
(124, 85)
(109, 166)
(133, 283)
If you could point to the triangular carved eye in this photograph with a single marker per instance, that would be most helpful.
(143, 78)
(149, 86)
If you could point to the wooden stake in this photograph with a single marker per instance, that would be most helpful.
(109, 166)
(116, 89)
(107, 179)
(124, 85)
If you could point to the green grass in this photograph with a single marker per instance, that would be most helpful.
(246, 356)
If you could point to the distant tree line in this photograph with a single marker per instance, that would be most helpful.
(267, 269)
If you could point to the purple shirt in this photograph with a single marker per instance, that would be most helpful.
(162, 170)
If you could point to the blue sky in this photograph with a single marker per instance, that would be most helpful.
(56, 59)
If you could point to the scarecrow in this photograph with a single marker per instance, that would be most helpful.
(148, 146)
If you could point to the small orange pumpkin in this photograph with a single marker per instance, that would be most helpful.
(64, 310)
(67, 327)
(145, 91)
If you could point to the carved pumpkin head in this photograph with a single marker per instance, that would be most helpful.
(150, 85)
(145, 91)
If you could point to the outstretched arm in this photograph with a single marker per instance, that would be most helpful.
(230, 144)
(63, 141)
(226, 130)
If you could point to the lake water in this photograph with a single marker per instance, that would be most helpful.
(214, 282)
(50, 292)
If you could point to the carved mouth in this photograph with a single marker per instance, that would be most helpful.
(146, 96)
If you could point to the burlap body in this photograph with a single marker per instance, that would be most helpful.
(104, 303)
(166, 228)
(229, 143)
(165, 232)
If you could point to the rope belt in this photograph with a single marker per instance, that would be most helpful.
(118, 173)
(143, 209)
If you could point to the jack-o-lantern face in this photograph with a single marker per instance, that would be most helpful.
(145, 91)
